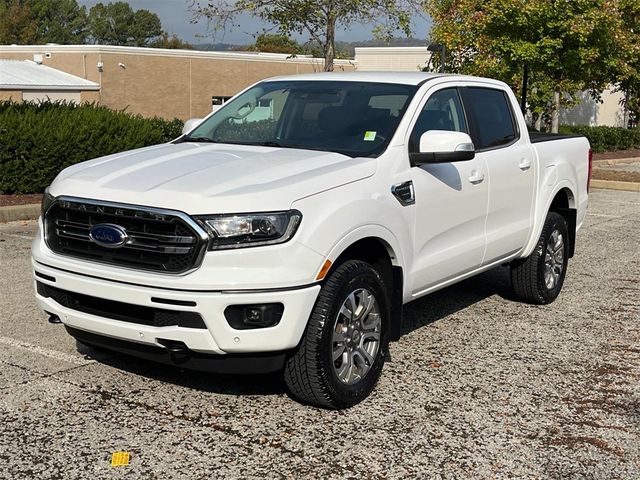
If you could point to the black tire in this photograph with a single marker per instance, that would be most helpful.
(528, 275)
(310, 371)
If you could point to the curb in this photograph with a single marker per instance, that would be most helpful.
(615, 185)
(616, 161)
(19, 212)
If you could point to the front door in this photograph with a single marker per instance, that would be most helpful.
(451, 201)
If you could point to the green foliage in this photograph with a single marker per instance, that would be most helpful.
(276, 44)
(38, 140)
(569, 46)
(118, 24)
(170, 41)
(42, 21)
(59, 21)
(316, 18)
(606, 139)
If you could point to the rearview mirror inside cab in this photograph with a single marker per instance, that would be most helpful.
(442, 146)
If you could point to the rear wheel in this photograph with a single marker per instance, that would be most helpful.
(539, 277)
(342, 352)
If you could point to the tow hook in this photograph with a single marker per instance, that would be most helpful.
(178, 350)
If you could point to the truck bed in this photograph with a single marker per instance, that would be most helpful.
(539, 137)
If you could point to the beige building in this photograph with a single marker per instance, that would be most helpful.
(411, 59)
(608, 112)
(166, 83)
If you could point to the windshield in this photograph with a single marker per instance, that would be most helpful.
(356, 119)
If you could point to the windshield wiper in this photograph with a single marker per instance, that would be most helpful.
(200, 139)
(269, 143)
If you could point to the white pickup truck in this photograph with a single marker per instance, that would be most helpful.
(286, 230)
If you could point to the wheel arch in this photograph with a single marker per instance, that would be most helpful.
(378, 247)
(561, 199)
(564, 203)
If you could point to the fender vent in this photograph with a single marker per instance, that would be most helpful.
(404, 193)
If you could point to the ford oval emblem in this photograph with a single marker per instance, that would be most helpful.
(108, 235)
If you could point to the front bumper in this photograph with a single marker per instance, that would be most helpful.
(218, 337)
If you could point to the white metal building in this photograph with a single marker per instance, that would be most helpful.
(34, 82)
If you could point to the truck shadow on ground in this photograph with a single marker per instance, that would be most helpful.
(417, 314)
(450, 300)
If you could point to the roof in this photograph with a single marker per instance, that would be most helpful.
(28, 75)
(167, 52)
(403, 78)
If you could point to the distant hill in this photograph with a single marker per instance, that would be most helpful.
(348, 48)
(215, 47)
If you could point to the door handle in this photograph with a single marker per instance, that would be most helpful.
(525, 164)
(476, 177)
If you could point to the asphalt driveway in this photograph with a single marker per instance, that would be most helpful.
(480, 386)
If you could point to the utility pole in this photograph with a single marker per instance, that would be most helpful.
(525, 86)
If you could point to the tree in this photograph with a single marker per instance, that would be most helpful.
(318, 19)
(59, 21)
(118, 24)
(630, 80)
(42, 21)
(170, 41)
(569, 46)
(270, 43)
(17, 24)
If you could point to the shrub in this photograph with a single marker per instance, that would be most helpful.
(37, 140)
(606, 139)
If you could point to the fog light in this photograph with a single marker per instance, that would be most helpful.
(243, 317)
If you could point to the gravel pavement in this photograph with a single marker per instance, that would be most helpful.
(480, 386)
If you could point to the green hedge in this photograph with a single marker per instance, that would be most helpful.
(607, 139)
(37, 140)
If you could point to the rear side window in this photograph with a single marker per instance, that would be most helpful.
(493, 123)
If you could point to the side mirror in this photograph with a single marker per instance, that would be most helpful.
(190, 125)
(441, 146)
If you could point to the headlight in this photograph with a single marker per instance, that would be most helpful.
(47, 200)
(251, 229)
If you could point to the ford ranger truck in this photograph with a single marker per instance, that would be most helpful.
(285, 231)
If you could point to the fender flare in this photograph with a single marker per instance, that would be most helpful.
(541, 214)
(369, 231)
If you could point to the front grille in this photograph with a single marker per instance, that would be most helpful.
(158, 240)
(125, 312)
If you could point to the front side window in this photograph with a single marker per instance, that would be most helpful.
(443, 111)
(352, 118)
(493, 118)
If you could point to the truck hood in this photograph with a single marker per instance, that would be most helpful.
(200, 178)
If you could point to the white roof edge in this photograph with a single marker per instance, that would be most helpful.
(268, 57)
(50, 88)
(415, 49)
(29, 75)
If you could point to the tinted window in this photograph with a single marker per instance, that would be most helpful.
(443, 111)
(353, 118)
(494, 123)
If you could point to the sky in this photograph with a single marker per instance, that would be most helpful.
(175, 18)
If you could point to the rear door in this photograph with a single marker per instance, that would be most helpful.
(510, 164)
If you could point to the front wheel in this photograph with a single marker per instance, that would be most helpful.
(539, 277)
(342, 352)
